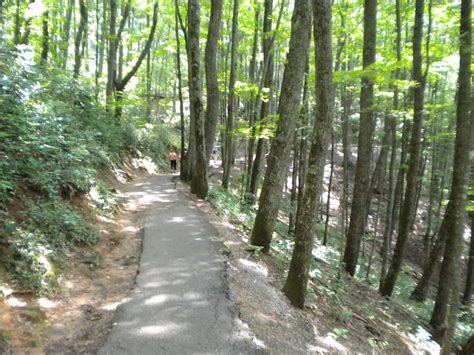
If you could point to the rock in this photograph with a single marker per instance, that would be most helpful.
(33, 314)
(57, 331)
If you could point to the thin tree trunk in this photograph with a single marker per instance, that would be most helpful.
(361, 185)
(111, 55)
(290, 98)
(328, 201)
(81, 32)
(183, 158)
(212, 86)
(45, 37)
(231, 101)
(294, 184)
(409, 203)
(252, 115)
(445, 311)
(296, 283)
(265, 108)
(17, 29)
(122, 82)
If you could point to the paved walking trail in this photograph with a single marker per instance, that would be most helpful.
(180, 303)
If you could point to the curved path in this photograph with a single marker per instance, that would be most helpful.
(180, 303)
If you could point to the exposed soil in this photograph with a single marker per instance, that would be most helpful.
(98, 280)
(95, 281)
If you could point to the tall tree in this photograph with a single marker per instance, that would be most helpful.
(212, 85)
(447, 297)
(45, 38)
(183, 158)
(268, 69)
(231, 99)
(199, 185)
(121, 82)
(409, 203)
(288, 109)
(361, 185)
(296, 283)
(81, 33)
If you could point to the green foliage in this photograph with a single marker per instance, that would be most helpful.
(55, 138)
(239, 213)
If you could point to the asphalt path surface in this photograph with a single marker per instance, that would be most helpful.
(180, 303)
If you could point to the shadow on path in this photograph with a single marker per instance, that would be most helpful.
(179, 304)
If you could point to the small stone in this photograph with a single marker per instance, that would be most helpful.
(33, 314)
(57, 331)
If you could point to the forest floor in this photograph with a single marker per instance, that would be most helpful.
(98, 282)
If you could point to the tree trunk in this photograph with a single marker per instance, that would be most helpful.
(81, 32)
(387, 234)
(45, 38)
(111, 55)
(296, 283)
(409, 203)
(294, 184)
(122, 82)
(17, 30)
(231, 101)
(199, 184)
(361, 185)
(252, 114)
(268, 69)
(446, 307)
(212, 86)
(183, 158)
(328, 202)
(469, 286)
(288, 109)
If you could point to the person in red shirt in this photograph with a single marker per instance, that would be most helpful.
(173, 157)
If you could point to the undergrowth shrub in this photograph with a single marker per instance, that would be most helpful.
(54, 139)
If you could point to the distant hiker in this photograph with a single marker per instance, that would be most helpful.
(215, 153)
(172, 156)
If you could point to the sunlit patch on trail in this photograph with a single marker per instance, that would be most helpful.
(165, 329)
(46, 303)
(15, 302)
(250, 265)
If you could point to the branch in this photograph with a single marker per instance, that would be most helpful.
(120, 85)
(181, 24)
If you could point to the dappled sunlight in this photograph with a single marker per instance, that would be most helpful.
(15, 302)
(423, 338)
(331, 341)
(114, 305)
(157, 299)
(46, 303)
(164, 329)
(252, 266)
(107, 220)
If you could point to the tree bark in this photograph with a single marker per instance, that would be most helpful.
(288, 109)
(81, 32)
(212, 86)
(231, 100)
(328, 201)
(409, 203)
(199, 184)
(268, 68)
(469, 286)
(447, 303)
(296, 283)
(122, 82)
(183, 157)
(361, 185)
(45, 37)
